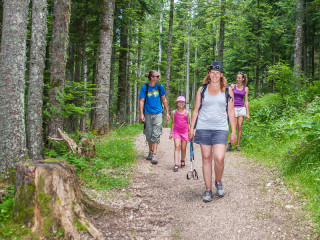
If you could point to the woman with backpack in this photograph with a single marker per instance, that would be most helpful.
(213, 106)
(151, 95)
(241, 104)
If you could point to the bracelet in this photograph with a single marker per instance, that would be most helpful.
(171, 132)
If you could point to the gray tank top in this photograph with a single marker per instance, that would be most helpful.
(213, 115)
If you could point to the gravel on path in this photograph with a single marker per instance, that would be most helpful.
(162, 204)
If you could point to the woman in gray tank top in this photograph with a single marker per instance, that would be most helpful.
(212, 126)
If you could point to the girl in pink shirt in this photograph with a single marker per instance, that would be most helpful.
(180, 127)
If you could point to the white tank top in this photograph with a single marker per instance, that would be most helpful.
(213, 115)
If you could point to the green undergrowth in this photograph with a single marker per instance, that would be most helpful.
(111, 167)
(284, 134)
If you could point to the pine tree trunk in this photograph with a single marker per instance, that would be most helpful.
(84, 73)
(188, 71)
(101, 123)
(298, 38)
(123, 58)
(222, 27)
(35, 86)
(112, 77)
(258, 54)
(60, 32)
(194, 85)
(168, 73)
(12, 82)
(139, 69)
(160, 41)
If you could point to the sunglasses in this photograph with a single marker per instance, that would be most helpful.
(215, 67)
(241, 73)
(156, 76)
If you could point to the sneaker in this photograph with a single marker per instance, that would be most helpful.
(154, 159)
(207, 197)
(149, 157)
(183, 163)
(176, 168)
(238, 147)
(229, 147)
(220, 191)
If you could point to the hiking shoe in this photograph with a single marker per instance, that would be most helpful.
(207, 197)
(220, 191)
(154, 159)
(229, 147)
(238, 147)
(149, 157)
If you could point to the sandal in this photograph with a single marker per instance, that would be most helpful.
(183, 163)
(176, 168)
(238, 147)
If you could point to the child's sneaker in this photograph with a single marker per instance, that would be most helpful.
(176, 168)
(229, 147)
(183, 163)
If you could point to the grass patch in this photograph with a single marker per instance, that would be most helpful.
(111, 168)
(288, 141)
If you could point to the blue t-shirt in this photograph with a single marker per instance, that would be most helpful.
(152, 104)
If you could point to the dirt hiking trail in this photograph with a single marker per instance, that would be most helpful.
(162, 204)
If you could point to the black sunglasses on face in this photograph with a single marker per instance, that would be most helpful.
(215, 67)
(156, 76)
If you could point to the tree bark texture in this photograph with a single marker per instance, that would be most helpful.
(60, 30)
(169, 53)
(84, 70)
(188, 71)
(123, 58)
(35, 81)
(222, 27)
(298, 38)
(12, 82)
(160, 41)
(258, 54)
(48, 200)
(101, 122)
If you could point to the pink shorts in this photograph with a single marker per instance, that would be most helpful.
(182, 136)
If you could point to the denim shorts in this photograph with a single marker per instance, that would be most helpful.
(211, 137)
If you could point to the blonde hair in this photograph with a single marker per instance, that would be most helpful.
(223, 81)
(245, 78)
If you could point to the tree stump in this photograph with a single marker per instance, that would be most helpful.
(48, 200)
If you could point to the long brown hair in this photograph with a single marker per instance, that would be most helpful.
(245, 77)
(223, 81)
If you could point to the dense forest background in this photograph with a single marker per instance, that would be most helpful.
(78, 66)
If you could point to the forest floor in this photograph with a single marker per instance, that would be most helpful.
(162, 204)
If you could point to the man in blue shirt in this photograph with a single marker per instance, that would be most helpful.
(151, 95)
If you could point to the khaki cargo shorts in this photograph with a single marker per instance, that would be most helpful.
(153, 127)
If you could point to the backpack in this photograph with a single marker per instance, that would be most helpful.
(204, 87)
